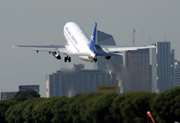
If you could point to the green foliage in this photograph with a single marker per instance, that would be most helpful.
(4, 105)
(60, 110)
(115, 108)
(27, 112)
(79, 107)
(98, 108)
(41, 112)
(14, 113)
(90, 107)
(135, 105)
(23, 95)
(94, 107)
(166, 106)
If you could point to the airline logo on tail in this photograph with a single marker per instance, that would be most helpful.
(93, 39)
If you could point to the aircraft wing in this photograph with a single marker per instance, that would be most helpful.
(52, 48)
(42, 48)
(117, 49)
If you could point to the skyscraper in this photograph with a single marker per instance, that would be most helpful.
(177, 74)
(138, 75)
(164, 66)
(153, 71)
(77, 80)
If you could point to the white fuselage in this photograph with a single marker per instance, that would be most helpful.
(77, 41)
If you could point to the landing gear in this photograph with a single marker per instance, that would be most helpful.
(67, 58)
(108, 57)
(95, 59)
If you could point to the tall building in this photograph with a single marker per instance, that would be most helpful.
(78, 80)
(138, 70)
(7, 95)
(29, 87)
(153, 71)
(164, 66)
(102, 62)
(177, 74)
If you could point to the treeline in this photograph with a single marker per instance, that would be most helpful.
(129, 107)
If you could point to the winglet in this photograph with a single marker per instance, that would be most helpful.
(93, 39)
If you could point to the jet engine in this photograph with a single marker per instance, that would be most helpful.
(56, 55)
(108, 57)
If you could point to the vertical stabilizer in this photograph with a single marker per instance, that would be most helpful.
(93, 39)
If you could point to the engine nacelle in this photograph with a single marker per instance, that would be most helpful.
(56, 55)
(108, 57)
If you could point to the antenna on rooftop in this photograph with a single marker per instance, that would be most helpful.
(142, 37)
(134, 37)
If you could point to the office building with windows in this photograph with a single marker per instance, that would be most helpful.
(177, 74)
(78, 80)
(29, 87)
(7, 95)
(138, 70)
(164, 66)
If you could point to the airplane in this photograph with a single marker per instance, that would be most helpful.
(78, 44)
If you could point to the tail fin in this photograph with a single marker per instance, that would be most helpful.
(93, 39)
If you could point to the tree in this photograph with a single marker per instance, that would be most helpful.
(4, 105)
(15, 112)
(23, 95)
(115, 108)
(135, 106)
(166, 106)
(60, 110)
(41, 112)
(27, 112)
(100, 109)
(93, 107)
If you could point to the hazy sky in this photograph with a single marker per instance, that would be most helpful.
(41, 22)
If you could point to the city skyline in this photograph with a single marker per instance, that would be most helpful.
(41, 22)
